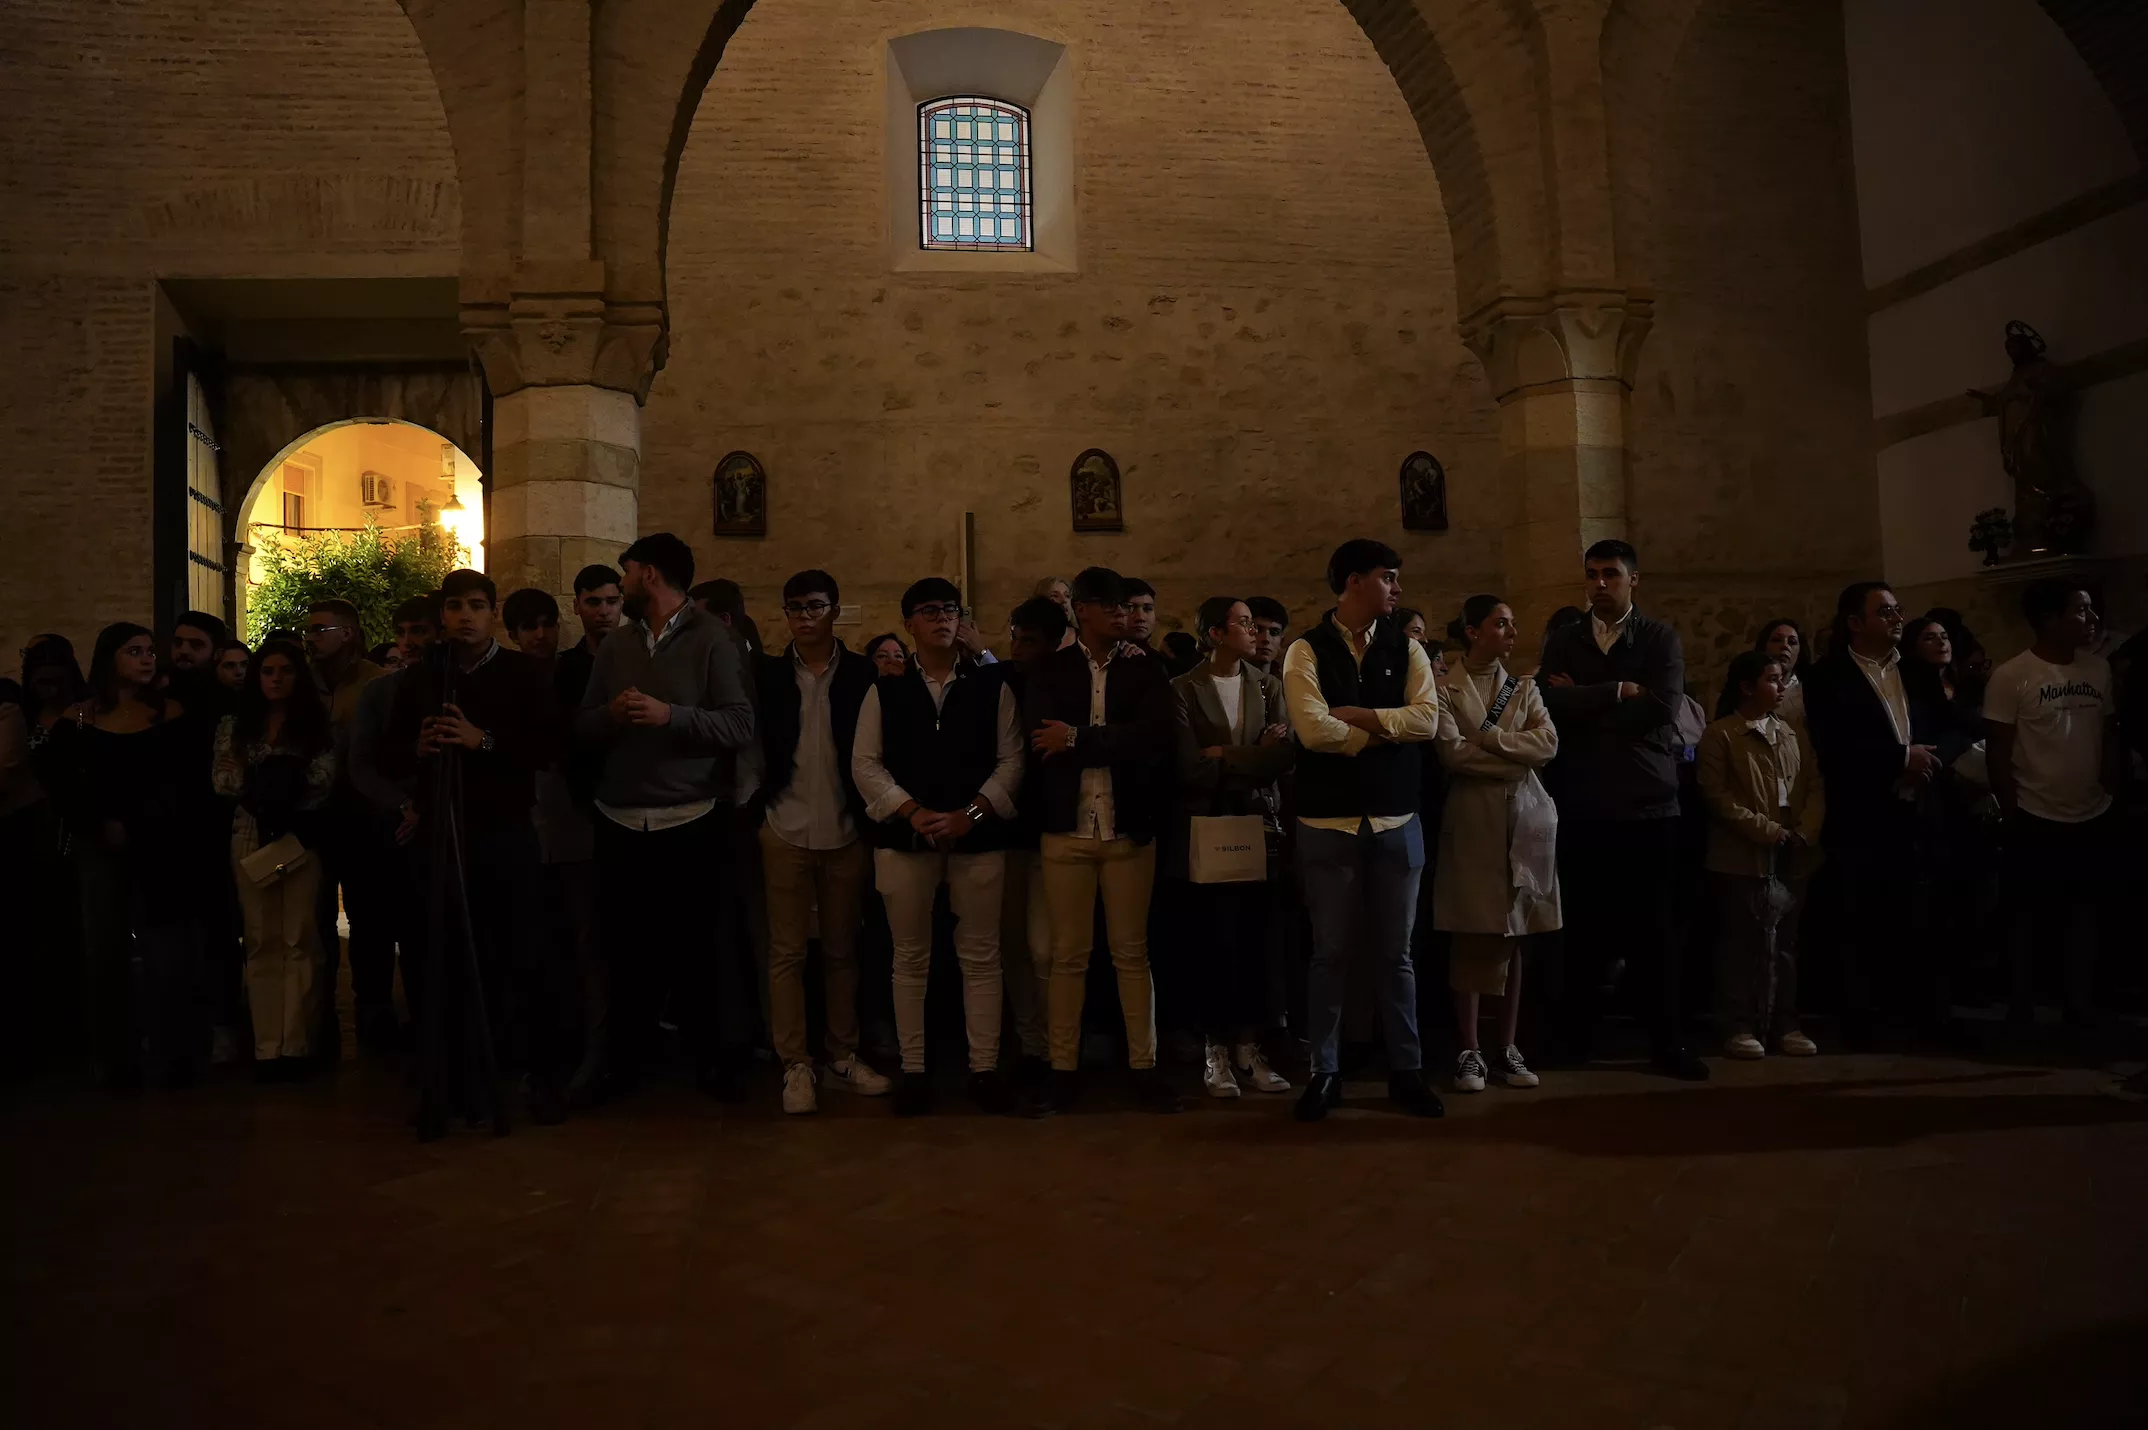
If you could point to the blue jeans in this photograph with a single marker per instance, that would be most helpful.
(1361, 890)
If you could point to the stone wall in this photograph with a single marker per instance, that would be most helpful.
(159, 138)
(1752, 493)
(1261, 329)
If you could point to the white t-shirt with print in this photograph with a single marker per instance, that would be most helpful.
(2058, 713)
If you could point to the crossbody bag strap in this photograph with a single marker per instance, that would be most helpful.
(1499, 706)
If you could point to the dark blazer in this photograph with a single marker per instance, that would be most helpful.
(1243, 780)
(779, 715)
(1134, 741)
(1860, 755)
(1618, 759)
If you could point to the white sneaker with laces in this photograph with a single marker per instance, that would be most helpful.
(798, 1095)
(1469, 1071)
(1252, 1068)
(858, 1075)
(1217, 1076)
(1744, 1045)
(1513, 1071)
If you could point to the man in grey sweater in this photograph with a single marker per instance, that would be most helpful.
(667, 707)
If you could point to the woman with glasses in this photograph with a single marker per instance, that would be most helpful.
(888, 654)
(116, 760)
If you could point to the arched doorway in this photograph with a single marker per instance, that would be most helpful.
(345, 476)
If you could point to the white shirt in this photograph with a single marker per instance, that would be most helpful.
(1229, 690)
(883, 796)
(1318, 730)
(2059, 714)
(1885, 677)
(1095, 812)
(812, 812)
(1607, 635)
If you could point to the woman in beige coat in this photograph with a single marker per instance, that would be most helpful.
(1494, 734)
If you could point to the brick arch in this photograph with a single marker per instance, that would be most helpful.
(2112, 36)
(655, 42)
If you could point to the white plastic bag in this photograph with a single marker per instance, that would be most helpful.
(1533, 840)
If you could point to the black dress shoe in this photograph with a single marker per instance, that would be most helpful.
(1322, 1091)
(913, 1095)
(1153, 1094)
(1408, 1091)
(1681, 1063)
(992, 1095)
(1031, 1073)
(1060, 1092)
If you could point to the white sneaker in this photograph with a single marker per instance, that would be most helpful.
(1469, 1071)
(858, 1075)
(798, 1095)
(1513, 1071)
(1744, 1045)
(1217, 1076)
(1252, 1068)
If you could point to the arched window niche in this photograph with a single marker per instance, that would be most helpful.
(1005, 204)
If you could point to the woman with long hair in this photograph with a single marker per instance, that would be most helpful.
(116, 759)
(1784, 639)
(274, 756)
(1494, 735)
(890, 657)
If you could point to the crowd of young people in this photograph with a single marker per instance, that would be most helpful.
(669, 844)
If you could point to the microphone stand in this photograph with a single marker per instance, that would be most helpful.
(448, 915)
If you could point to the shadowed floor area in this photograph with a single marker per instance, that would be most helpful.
(1854, 1241)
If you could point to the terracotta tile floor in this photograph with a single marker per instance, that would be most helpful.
(1847, 1242)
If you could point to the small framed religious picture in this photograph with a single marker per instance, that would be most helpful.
(741, 496)
(1424, 493)
(1094, 483)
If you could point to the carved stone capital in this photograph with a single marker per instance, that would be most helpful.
(1549, 341)
(567, 339)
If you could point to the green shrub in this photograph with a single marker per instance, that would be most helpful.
(371, 570)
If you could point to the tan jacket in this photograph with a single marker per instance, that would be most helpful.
(1740, 771)
(1473, 886)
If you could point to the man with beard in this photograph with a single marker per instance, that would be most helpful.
(668, 708)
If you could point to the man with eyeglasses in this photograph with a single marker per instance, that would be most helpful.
(1877, 746)
(811, 853)
(351, 877)
(937, 760)
(1102, 721)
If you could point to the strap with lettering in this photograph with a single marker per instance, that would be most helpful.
(1499, 706)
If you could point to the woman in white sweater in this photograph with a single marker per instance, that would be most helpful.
(1497, 881)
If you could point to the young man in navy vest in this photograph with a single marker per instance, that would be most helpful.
(811, 851)
(1361, 700)
(1614, 683)
(937, 758)
(1101, 717)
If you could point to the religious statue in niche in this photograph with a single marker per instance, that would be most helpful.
(1424, 493)
(1095, 485)
(2053, 511)
(741, 494)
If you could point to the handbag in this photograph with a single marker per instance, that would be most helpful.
(274, 860)
(1226, 849)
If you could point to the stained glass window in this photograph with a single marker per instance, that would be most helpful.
(973, 175)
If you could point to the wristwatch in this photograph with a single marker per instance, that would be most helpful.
(484, 740)
(976, 811)
(1072, 731)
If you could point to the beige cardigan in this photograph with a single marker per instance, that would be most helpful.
(1473, 887)
(1739, 771)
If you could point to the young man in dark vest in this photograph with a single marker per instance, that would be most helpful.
(1361, 699)
(812, 854)
(1614, 683)
(937, 759)
(1102, 720)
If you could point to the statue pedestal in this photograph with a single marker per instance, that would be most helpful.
(2094, 570)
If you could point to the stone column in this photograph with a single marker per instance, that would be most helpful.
(1561, 368)
(565, 481)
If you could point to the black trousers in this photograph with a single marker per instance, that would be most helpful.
(527, 993)
(1618, 887)
(354, 865)
(655, 889)
(1227, 941)
(2058, 879)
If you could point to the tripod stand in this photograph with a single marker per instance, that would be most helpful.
(448, 919)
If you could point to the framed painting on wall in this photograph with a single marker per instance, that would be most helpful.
(740, 496)
(1094, 485)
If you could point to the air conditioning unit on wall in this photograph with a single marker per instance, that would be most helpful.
(376, 490)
